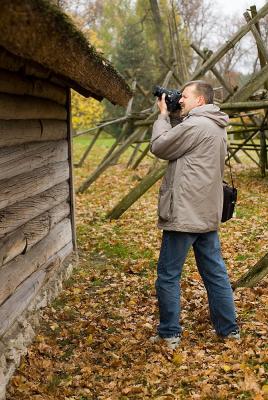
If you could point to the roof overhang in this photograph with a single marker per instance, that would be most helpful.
(38, 31)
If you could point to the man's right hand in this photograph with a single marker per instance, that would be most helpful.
(163, 105)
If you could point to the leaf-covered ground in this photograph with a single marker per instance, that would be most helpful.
(92, 343)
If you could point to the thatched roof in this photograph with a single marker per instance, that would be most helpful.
(37, 30)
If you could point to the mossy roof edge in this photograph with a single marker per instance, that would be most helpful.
(63, 28)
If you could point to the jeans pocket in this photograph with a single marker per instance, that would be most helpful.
(165, 204)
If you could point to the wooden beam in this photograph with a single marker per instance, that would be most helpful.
(35, 182)
(24, 238)
(229, 44)
(15, 132)
(14, 83)
(71, 171)
(242, 144)
(251, 86)
(20, 300)
(141, 157)
(213, 69)
(254, 275)
(125, 128)
(21, 159)
(28, 107)
(24, 295)
(259, 42)
(103, 166)
(142, 187)
(262, 59)
(18, 214)
(115, 121)
(243, 105)
(136, 148)
(16, 271)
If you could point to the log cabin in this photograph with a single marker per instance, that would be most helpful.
(42, 57)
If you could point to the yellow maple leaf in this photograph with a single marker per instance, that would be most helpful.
(89, 339)
(177, 359)
(226, 368)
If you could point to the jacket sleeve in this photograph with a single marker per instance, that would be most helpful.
(171, 143)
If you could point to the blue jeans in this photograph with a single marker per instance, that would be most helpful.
(206, 246)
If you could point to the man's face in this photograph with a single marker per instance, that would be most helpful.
(190, 99)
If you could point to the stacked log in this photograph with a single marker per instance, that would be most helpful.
(36, 229)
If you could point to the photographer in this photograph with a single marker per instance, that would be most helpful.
(190, 209)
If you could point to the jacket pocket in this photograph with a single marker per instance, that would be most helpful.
(165, 204)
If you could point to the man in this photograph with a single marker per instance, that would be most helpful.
(190, 209)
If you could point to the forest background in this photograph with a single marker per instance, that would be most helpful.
(135, 36)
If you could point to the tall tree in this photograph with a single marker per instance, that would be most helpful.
(158, 26)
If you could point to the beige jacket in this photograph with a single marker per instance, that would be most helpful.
(191, 194)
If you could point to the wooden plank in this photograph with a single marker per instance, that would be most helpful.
(214, 70)
(56, 214)
(14, 83)
(15, 132)
(28, 107)
(70, 160)
(254, 275)
(262, 59)
(30, 184)
(233, 106)
(25, 158)
(15, 305)
(18, 302)
(23, 239)
(259, 42)
(142, 187)
(17, 270)
(18, 214)
(229, 44)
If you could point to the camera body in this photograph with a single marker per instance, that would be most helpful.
(172, 97)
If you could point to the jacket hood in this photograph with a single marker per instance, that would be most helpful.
(211, 111)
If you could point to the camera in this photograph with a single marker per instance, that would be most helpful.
(172, 97)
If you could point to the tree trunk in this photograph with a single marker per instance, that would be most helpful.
(158, 26)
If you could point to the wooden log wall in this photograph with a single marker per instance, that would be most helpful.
(36, 221)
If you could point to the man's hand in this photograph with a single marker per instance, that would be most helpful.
(162, 105)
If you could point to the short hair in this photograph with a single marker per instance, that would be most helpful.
(202, 88)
